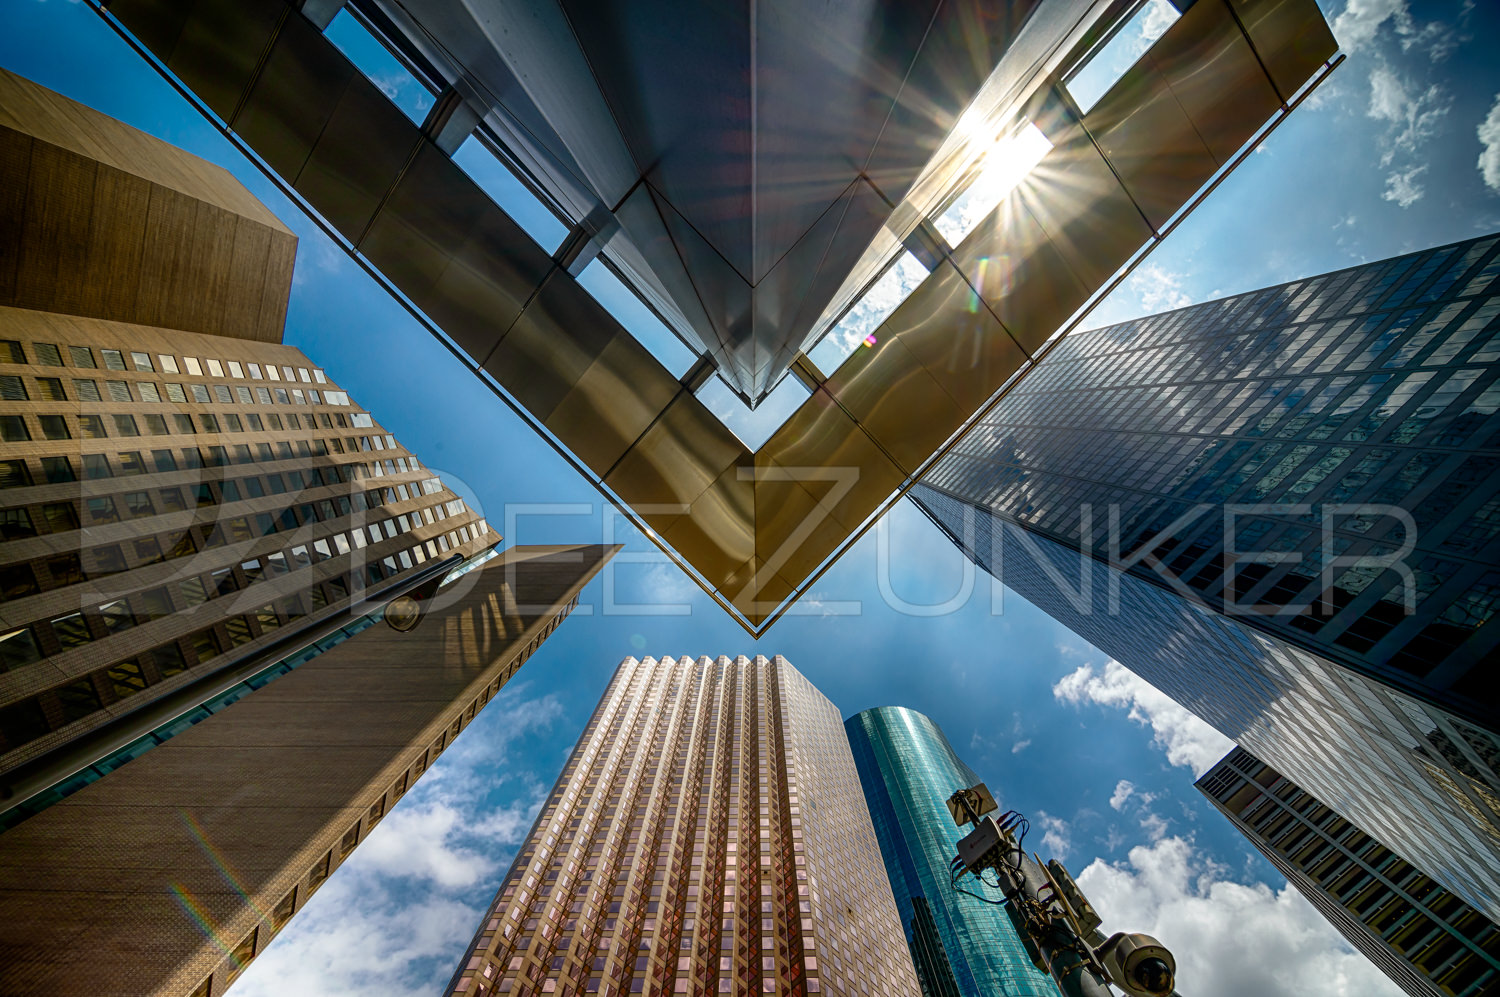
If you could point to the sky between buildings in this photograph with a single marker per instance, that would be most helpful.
(1399, 150)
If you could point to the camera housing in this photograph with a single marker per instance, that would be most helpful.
(1139, 964)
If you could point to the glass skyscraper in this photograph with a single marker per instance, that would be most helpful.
(1426, 939)
(962, 946)
(707, 835)
(1280, 508)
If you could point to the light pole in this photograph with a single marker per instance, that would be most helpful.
(1056, 923)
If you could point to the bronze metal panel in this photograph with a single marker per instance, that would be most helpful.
(722, 290)
(249, 257)
(15, 167)
(613, 403)
(1148, 139)
(291, 101)
(1018, 271)
(1215, 77)
(677, 458)
(951, 333)
(116, 237)
(155, 23)
(897, 401)
(550, 346)
(1291, 38)
(639, 216)
(716, 535)
(793, 531)
(220, 46)
(1091, 221)
(821, 442)
(755, 590)
(357, 159)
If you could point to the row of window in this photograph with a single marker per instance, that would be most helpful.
(52, 355)
(17, 428)
(51, 389)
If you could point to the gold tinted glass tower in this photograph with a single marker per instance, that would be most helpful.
(708, 835)
(194, 523)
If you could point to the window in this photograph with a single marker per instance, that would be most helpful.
(15, 524)
(272, 372)
(13, 429)
(92, 427)
(171, 499)
(78, 700)
(190, 364)
(125, 426)
(168, 363)
(200, 393)
(13, 473)
(193, 591)
(235, 370)
(138, 504)
(254, 370)
(157, 425)
(55, 469)
(65, 569)
(11, 352)
(119, 391)
(12, 388)
(163, 460)
(116, 616)
(102, 509)
(141, 361)
(223, 395)
(126, 679)
(71, 631)
(154, 604)
(175, 393)
(17, 581)
(113, 359)
(184, 424)
(60, 516)
(130, 462)
(81, 356)
(169, 660)
(48, 354)
(54, 427)
(215, 368)
(210, 422)
(51, 389)
(96, 465)
(148, 391)
(204, 644)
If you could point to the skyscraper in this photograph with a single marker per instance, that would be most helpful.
(1426, 939)
(1279, 508)
(707, 835)
(197, 723)
(751, 171)
(962, 946)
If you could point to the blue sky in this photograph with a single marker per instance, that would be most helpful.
(1392, 155)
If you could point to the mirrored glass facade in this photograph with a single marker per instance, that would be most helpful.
(962, 946)
(707, 835)
(1426, 939)
(1280, 509)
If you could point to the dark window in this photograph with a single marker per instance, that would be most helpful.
(108, 560)
(13, 429)
(163, 460)
(71, 631)
(11, 351)
(51, 389)
(96, 465)
(15, 523)
(139, 504)
(22, 722)
(13, 473)
(184, 424)
(19, 648)
(126, 678)
(169, 660)
(153, 604)
(81, 356)
(116, 616)
(131, 463)
(57, 470)
(156, 425)
(91, 427)
(17, 581)
(171, 499)
(65, 569)
(60, 516)
(12, 388)
(238, 628)
(54, 427)
(125, 426)
(113, 359)
(102, 510)
(78, 700)
(48, 354)
(204, 644)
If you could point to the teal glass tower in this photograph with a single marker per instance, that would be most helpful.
(962, 947)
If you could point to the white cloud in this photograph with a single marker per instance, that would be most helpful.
(1124, 789)
(1186, 739)
(1230, 939)
(394, 918)
(1359, 24)
(1057, 835)
(1020, 746)
(1403, 188)
(1412, 112)
(1489, 137)
(1158, 289)
(1154, 825)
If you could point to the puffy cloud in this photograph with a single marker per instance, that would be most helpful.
(1413, 112)
(1158, 289)
(1124, 789)
(1402, 187)
(1489, 137)
(1020, 746)
(1186, 739)
(394, 918)
(1230, 939)
(1057, 834)
(1358, 26)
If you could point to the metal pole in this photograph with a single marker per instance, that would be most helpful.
(1059, 944)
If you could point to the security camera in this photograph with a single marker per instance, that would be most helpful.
(1139, 964)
